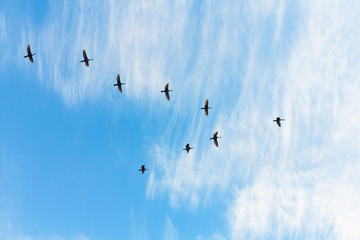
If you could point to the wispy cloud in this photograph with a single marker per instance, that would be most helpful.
(170, 230)
(3, 39)
(138, 228)
(226, 71)
(297, 181)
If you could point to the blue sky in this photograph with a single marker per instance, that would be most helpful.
(71, 145)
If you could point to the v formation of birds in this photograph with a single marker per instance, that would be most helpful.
(166, 90)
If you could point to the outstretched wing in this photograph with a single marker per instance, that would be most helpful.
(29, 54)
(119, 88)
(215, 134)
(206, 102)
(167, 87)
(167, 95)
(206, 112)
(84, 54)
(278, 123)
(87, 63)
(28, 50)
(118, 79)
(216, 142)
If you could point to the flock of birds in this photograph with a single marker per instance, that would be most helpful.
(167, 95)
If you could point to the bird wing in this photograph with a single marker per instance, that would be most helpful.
(118, 79)
(87, 63)
(206, 112)
(215, 134)
(31, 58)
(216, 142)
(28, 50)
(167, 87)
(278, 123)
(187, 145)
(84, 54)
(119, 88)
(206, 102)
(167, 95)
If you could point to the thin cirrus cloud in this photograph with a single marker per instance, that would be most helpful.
(298, 181)
(137, 39)
(312, 188)
(297, 60)
(230, 45)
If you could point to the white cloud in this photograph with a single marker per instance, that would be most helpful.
(312, 189)
(3, 39)
(170, 230)
(298, 181)
(225, 65)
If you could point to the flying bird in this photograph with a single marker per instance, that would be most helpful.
(278, 121)
(29, 54)
(215, 137)
(143, 169)
(206, 107)
(166, 91)
(187, 148)
(86, 59)
(118, 83)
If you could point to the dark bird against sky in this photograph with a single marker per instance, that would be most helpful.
(86, 59)
(215, 137)
(118, 83)
(143, 169)
(278, 121)
(166, 91)
(29, 54)
(206, 107)
(187, 148)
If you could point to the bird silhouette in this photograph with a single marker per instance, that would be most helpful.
(118, 83)
(86, 59)
(29, 54)
(187, 148)
(166, 91)
(143, 169)
(278, 121)
(215, 137)
(206, 107)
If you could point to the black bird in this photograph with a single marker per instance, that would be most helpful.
(143, 169)
(277, 120)
(118, 83)
(166, 91)
(215, 137)
(206, 107)
(86, 59)
(29, 54)
(187, 148)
